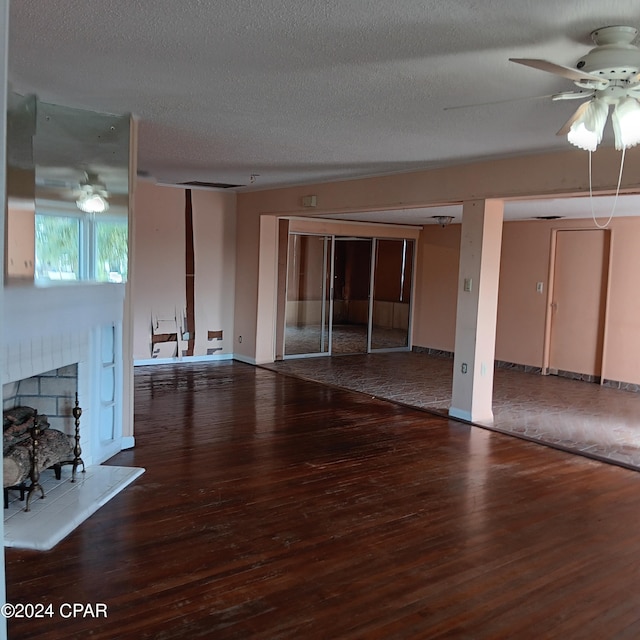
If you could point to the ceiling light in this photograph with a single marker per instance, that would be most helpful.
(626, 123)
(93, 195)
(443, 221)
(586, 132)
(92, 203)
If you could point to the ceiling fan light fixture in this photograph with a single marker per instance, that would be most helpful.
(93, 195)
(92, 203)
(626, 123)
(586, 132)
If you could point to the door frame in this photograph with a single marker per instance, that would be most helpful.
(283, 284)
(550, 297)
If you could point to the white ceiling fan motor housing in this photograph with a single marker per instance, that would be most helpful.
(614, 57)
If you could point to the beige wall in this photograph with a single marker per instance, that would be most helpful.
(555, 174)
(526, 254)
(435, 290)
(522, 310)
(21, 244)
(526, 257)
(159, 264)
(214, 231)
(622, 328)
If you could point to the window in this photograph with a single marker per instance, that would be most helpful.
(57, 248)
(80, 246)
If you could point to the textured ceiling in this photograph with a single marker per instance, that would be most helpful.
(601, 207)
(297, 91)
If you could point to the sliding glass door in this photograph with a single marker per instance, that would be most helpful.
(351, 293)
(307, 299)
(393, 271)
(347, 295)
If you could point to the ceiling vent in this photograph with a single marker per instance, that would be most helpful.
(210, 185)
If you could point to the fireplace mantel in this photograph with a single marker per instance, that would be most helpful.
(52, 326)
(42, 311)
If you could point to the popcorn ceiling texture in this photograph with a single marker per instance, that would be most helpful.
(305, 90)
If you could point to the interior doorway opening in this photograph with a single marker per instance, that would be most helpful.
(347, 295)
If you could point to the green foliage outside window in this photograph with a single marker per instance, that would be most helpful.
(59, 255)
(111, 263)
(57, 248)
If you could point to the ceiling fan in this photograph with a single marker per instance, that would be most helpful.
(89, 193)
(609, 76)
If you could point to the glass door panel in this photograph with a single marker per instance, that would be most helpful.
(307, 301)
(351, 286)
(391, 294)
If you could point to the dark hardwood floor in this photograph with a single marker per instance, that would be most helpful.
(277, 508)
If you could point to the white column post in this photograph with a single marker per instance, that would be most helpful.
(478, 278)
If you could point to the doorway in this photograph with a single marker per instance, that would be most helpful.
(578, 304)
(347, 295)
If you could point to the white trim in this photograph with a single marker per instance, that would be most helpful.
(460, 414)
(184, 359)
(244, 359)
(128, 442)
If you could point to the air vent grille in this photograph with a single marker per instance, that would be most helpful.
(210, 185)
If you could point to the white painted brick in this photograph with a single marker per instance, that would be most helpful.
(70, 371)
(10, 390)
(12, 358)
(61, 424)
(47, 406)
(65, 405)
(58, 387)
(28, 387)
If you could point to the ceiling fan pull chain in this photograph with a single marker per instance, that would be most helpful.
(615, 200)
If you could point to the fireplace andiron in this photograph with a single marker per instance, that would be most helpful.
(34, 473)
(77, 451)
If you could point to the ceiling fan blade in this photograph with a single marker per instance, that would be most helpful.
(576, 114)
(573, 95)
(560, 70)
(486, 104)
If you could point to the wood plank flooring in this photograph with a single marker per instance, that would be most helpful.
(278, 508)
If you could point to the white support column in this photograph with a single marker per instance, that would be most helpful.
(473, 362)
(267, 290)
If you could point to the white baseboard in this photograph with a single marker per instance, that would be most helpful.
(128, 442)
(460, 414)
(244, 359)
(184, 359)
